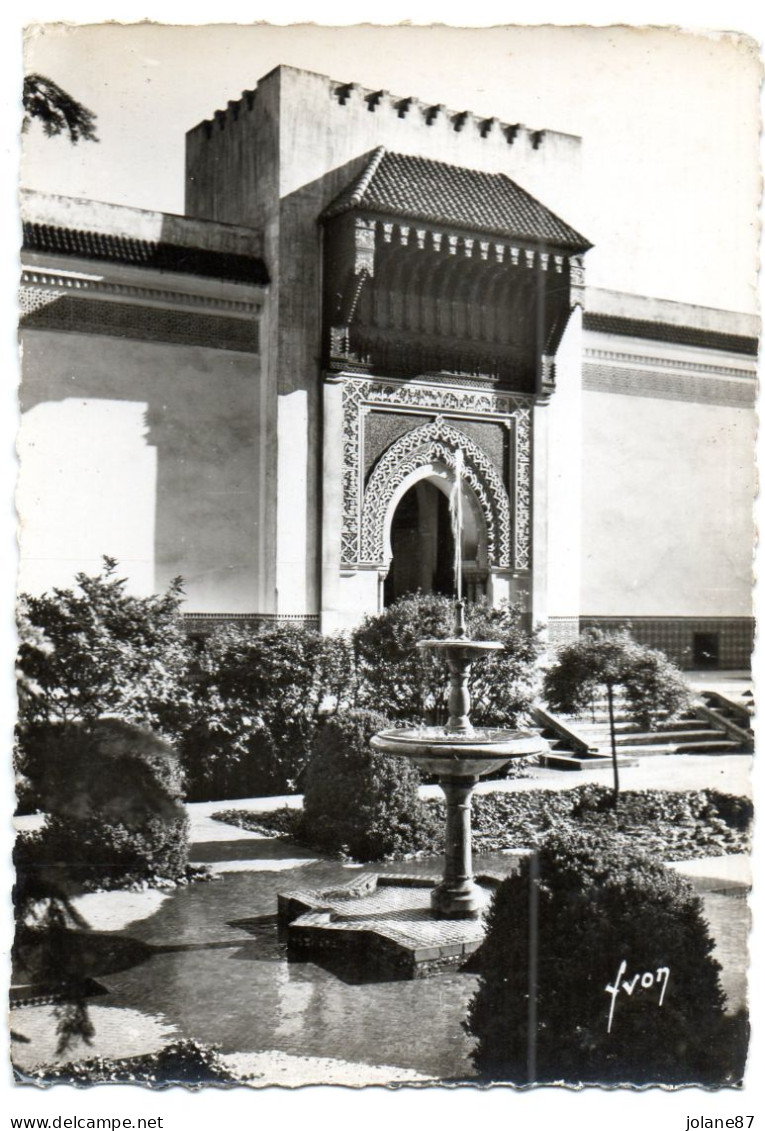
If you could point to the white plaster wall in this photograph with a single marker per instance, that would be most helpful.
(150, 453)
(87, 488)
(292, 548)
(359, 595)
(564, 469)
(667, 499)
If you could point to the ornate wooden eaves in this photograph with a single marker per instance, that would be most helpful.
(404, 298)
(350, 263)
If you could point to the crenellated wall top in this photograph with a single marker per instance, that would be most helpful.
(347, 97)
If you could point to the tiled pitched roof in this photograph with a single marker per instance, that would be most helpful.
(144, 253)
(436, 192)
(669, 332)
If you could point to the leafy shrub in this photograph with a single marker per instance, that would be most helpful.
(736, 812)
(669, 824)
(359, 801)
(186, 1062)
(595, 909)
(283, 822)
(96, 651)
(258, 695)
(654, 688)
(605, 662)
(112, 796)
(408, 683)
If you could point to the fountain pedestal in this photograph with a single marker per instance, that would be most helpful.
(459, 758)
(458, 896)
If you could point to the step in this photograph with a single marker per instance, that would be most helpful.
(718, 746)
(622, 720)
(560, 761)
(630, 727)
(598, 740)
(649, 737)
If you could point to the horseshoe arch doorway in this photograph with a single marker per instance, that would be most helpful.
(421, 541)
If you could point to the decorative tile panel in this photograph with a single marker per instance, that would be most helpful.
(508, 520)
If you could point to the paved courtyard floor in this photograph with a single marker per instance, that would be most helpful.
(205, 961)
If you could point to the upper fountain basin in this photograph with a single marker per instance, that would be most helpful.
(437, 750)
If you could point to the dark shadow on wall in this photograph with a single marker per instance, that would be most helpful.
(199, 376)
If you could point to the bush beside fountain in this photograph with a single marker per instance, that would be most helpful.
(408, 685)
(359, 802)
(578, 918)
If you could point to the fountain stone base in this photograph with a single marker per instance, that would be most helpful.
(381, 926)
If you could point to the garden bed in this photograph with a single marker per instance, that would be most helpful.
(182, 1062)
(667, 824)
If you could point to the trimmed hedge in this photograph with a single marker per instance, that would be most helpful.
(670, 824)
(598, 919)
(358, 801)
(257, 699)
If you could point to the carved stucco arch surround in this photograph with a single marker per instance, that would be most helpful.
(421, 450)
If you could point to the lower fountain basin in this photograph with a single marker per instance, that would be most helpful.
(453, 754)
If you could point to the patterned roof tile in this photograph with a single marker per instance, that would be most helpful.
(439, 193)
(669, 332)
(144, 253)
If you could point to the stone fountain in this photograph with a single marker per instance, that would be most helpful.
(459, 755)
(403, 923)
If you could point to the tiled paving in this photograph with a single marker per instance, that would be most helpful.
(397, 912)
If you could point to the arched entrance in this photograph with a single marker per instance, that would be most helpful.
(422, 542)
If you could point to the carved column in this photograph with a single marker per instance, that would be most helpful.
(332, 504)
(576, 281)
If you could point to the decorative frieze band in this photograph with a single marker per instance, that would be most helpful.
(143, 323)
(675, 635)
(657, 384)
(36, 283)
(562, 630)
(204, 623)
(426, 238)
(651, 361)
